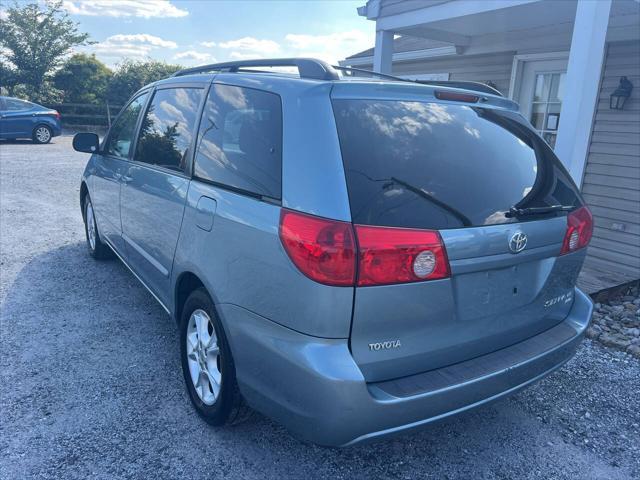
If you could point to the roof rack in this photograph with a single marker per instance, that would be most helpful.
(307, 67)
(475, 86)
(318, 70)
(370, 72)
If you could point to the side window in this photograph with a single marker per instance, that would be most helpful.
(15, 105)
(240, 140)
(122, 132)
(167, 128)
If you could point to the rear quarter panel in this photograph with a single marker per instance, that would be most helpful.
(242, 262)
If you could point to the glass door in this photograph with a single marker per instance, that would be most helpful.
(542, 87)
(545, 105)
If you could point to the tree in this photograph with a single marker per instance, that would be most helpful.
(83, 79)
(8, 78)
(132, 75)
(35, 40)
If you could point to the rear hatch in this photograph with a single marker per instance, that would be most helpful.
(458, 169)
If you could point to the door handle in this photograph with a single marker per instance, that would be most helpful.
(126, 179)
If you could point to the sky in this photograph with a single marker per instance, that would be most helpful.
(194, 32)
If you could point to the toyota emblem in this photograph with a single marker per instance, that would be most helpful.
(517, 242)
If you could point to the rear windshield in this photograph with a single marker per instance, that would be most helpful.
(433, 165)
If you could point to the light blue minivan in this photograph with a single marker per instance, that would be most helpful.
(353, 257)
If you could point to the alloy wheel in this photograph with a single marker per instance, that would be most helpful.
(203, 356)
(43, 135)
(91, 227)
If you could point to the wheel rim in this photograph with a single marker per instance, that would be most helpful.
(203, 355)
(91, 227)
(42, 134)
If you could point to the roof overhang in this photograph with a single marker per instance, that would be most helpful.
(461, 22)
(406, 56)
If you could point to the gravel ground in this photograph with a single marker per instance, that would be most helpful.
(91, 386)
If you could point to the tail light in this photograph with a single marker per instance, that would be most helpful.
(325, 251)
(579, 230)
(56, 114)
(399, 255)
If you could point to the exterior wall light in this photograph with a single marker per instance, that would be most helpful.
(620, 94)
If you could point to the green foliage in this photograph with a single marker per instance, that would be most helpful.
(36, 37)
(132, 75)
(83, 79)
(8, 78)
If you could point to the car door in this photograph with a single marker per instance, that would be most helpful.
(109, 166)
(155, 184)
(17, 118)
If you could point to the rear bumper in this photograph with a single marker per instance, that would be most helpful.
(313, 386)
(56, 127)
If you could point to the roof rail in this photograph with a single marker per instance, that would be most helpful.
(475, 86)
(307, 67)
(370, 72)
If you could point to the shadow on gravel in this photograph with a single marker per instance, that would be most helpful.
(96, 386)
(25, 141)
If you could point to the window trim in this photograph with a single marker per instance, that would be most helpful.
(238, 190)
(173, 86)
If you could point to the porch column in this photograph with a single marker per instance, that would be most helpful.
(383, 52)
(581, 86)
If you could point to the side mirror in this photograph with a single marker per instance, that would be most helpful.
(86, 142)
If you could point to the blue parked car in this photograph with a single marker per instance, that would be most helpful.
(22, 119)
(351, 257)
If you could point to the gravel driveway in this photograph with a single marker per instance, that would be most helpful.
(91, 383)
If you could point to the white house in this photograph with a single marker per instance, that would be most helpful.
(561, 60)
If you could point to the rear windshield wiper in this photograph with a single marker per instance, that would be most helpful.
(523, 212)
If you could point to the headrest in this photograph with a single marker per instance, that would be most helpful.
(251, 138)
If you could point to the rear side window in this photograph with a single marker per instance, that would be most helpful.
(167, 128)
(122, 132)
(13, 104)
(438, 166)
(240, 140)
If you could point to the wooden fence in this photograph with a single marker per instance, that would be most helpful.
(86, 116)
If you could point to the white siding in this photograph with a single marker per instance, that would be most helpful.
(611, 184)
(495, 68)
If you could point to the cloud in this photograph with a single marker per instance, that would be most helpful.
(330, 47)
(136, 46)
(208, 44)
(125, 8)
(194, 56)
(3, 15)
(245, 56)
(143, 38)
(253, 46)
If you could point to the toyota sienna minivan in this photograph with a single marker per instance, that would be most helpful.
(353, 257)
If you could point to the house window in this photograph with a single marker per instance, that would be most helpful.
(546, 103)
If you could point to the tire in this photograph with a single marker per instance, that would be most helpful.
(200, 349)
(42, 134)
(97, 249)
